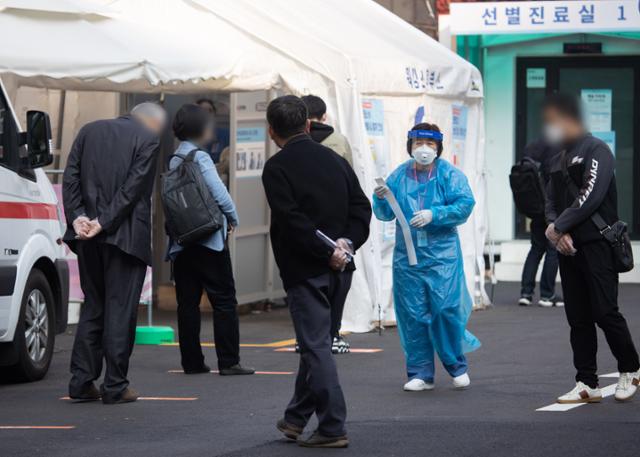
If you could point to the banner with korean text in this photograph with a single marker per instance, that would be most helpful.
(569, 16)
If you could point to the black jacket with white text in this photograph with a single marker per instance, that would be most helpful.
(590, 164)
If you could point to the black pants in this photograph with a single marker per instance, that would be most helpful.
(590, 287)
(540, 246)
(194, 269)
(111, 281)
(337, 307)
(314, 305)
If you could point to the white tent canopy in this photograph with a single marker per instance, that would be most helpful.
(345, 51)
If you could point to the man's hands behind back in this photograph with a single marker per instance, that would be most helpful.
(86, 229)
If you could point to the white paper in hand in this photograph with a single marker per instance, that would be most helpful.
(404, 225)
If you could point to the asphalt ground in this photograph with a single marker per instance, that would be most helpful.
(524, 363)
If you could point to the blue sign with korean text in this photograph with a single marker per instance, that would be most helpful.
(567, 16)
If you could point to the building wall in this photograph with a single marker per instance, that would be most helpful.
(419, 13)
(499, 64)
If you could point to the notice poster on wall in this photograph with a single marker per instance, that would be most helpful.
(250, 150)
(597, 109)
(609, 138)
(536, 78)
(373, 113)
(458, 132)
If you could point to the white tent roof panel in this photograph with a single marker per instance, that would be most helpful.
(224, 44)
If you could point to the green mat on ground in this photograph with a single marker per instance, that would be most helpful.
(154, 335)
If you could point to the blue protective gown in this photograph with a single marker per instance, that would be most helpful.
(431, 298)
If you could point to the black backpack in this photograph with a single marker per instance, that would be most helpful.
(527, 185)
(191, 212)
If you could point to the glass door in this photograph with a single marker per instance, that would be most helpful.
(608, 88)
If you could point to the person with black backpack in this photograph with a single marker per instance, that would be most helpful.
(199, 215)
(582, 208)
(528, 179)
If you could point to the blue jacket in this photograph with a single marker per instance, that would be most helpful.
(216, 241)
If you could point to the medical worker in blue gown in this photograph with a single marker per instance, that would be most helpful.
(431, 298)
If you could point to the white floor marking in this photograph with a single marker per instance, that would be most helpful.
(615, 374)
(560, 407)
(607, 391)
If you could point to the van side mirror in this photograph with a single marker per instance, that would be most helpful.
(39, 144)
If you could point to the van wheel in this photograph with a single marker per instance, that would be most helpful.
(35, 332)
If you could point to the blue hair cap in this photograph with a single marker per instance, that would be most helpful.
(431, 134)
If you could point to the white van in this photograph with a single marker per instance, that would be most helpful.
(34, 277)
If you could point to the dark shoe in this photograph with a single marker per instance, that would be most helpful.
(289, 430)
(340, 345)
(525, 300)
(318, 440)
(236, 370)
(91, 394)
(129, 395)
(202, 369)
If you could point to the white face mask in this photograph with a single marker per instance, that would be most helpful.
(553, 134)
(424, 155)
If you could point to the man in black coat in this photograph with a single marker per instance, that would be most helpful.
(309, 187)
(107, 189)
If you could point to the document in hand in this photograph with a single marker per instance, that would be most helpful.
(404, 225)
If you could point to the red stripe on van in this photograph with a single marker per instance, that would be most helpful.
(21, 210)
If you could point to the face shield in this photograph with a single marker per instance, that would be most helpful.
(423, 145)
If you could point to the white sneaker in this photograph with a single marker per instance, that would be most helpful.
(581, 393)
(417, 385)
(545, 302)
(549, 302)
(461, 382)
(627, 385)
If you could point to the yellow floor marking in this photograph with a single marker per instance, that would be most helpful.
(257, 372)
(37, 427)
(155, 398)
(283, 343)
(275, 344)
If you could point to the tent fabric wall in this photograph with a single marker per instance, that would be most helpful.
(342, 51)
(399, 116)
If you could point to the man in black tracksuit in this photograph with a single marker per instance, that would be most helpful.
(309, 187)
(589, 280)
